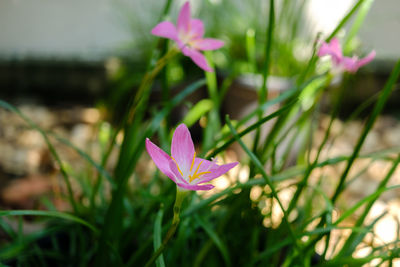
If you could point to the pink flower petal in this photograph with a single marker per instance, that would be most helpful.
(366, 59)
(216, 171)
(333, 49)
(199, 166)
(350, 64)
(182, 148)
(183, 23)
(185, 49)
(196, 28)
(165, 29)
(160, 158)
(196, 187)
(207, 44)
(197, 57)
(336, 50)
(177, 173)
(205, 165)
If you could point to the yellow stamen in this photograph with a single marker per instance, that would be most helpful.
(177, 166)
(198, 167)
(195, 174)
(191, 166)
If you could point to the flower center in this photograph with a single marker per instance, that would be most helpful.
(196, 174)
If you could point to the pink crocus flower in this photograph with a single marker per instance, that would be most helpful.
(350, 64)
(188, 35)
(183, 167)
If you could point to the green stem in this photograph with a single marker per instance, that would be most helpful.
(146, 83)
(148, 80)
(313, 60)
(127, 158)
(257, 163)
(350, 241)
(377, 110)
(180, 196)
(263, 94)
(312, 165)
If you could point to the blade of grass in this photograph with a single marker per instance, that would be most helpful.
(213, 119)
(113, 221)
(371, 120)
(287, 174)
(251, 49)
(251, 128)
(350, 244)
(53, 214)
(196, 112)
(311, 166)
(157, 237)
(384, 95)
(85, 156)
(5, 226)
(358, 22)
(263, 92)
(215, 238)
(314, 58)
(258, 164)
(49, 145)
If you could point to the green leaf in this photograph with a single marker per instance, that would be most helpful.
(215, 238)
(49, 145)
(358, 21)
(251, 128)
(196, 112)
(157, 239)
(54, 214)
(267, 179)
(384, 96)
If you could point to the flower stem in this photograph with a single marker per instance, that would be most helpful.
(133, 117)
(148, 80)
(133, 103)
(180, 195)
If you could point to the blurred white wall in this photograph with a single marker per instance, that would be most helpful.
(95, 28)
(380, 31)
(61, 28)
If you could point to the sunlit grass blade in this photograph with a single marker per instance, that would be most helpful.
(251, 49)
(213, 119)
(269, 34)
(358, 22)
(197, 111)
(345, 19)
(263, 91)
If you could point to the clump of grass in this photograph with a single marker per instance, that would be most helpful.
(275, 210)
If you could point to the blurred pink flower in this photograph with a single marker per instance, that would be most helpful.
(350, 64)
(183, 167)
(188, 35)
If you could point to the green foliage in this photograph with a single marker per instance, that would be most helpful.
(125, 217)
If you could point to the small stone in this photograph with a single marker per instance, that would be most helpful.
(21, 192)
